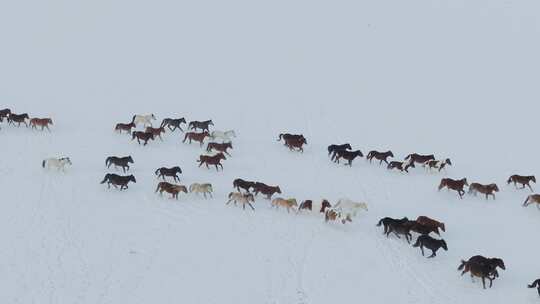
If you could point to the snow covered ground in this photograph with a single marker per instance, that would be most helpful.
(454, 78)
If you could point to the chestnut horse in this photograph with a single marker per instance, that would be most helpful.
(124, 127)
(266, 190)
(426, 221)
(418, 158)
(173, 124)
(171, 189)
(196, 137)
(18, 118)
(453, 184)
(474, 188)
(380, 156)
(219, 147)
(295, 143)
(212, 160)
(41, 122)
(156, 131)
(203, 125)
(523, 180)
(144, 136)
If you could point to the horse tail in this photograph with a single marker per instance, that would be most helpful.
(370, 154)
(534, 284)
(157, 172)
(105, 178)
(463, 264)
(107, 161)
(380, 223)
(43, 163)
(280, 137)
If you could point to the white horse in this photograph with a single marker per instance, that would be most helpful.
(58, 163)
(145, 120)
(349, 208)
(201, 188)
(225, 136)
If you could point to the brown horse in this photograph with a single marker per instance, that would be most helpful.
(171, 189)
(287, 136)
(418, 158)
(482, 267)
(380, 156)
(144, 136)
(212, 160)
(488, 190)
(156, 131)
(219, 147)
(41, 122)
(453, 184)
(295, 143)
(196, 137)
(124, 127)
(266, 190)
(426, 221)
(18, 118)
(523, 180)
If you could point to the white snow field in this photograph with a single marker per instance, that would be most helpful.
(455, 78)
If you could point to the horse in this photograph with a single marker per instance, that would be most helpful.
(173, 124)
(456, 185)
(431, 244)
(155, 131)
(350, 208)
(347, 155)
(421, 228)
(240, 183)
(295, 143)
(119, 162)
(437, 164)
(4, 114)
(42, 122)
(380, 156)
(58, 163)
(294, 137)
(398, 227)
(532, 199)
(333, 148)
(332, 214)
(266, 190)
(163, 171)
(488, 190)
(535, 284)
(118, 180)
(212, 160)
(196, 137)
(203, 125)
(225, 136)
(482, 267)
(324, 206)
(124, 127)
(523, 180)
(171, 189)
(201, 188)
(401, 166)
(418, 158)
(219, 147)
(306, 205)
(144, 136)
(426, 221)
(18, 118)
(145, 120)
(287, 203)
(241, 198)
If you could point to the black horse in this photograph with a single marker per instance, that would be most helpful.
(244, 184)
(380, 156)
(162, 172)
(118, 180)
(535, 284)
(203, 125)
(347, 155)
(4, 114)
(18, 118)
(333, 148)
(173, 124)
(397, 226)
(119, 162)
(430, 243)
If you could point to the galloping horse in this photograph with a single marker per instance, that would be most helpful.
(42, 122)
(172, 172)
(474, 188)
(201, 188)
(156, 131)
(118, 180)
(144, 136)
(523, 180)
(4, 114)
(225, 136)
(347, 155)
(241, 198)
(240, 183)
(293, 141)
(203, 125)
(266, 190)
(430, 243)
(171, 189)
(456, 185)
(173, 124)
(380, 156)
(418, 158)
(437, 164)
(119, 162)
(212, 160)
(18, 118)
(124, 127)
(196, 137)
(219, 147)
(145, 120)
(401, 166)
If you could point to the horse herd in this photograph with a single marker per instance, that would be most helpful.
(246, 191)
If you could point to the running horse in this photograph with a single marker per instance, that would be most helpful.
(4, 114)
(18, 118)
(156, 131)
(293, 141)
(214, 160)
(380, 156)
(118, 180)
(203, 125)
(418, 158)
(124, 127)
(173, 124)
(523, 180)
(41, 122)
(453, 184)
(199, 137)
(219, 147)
(144, 136)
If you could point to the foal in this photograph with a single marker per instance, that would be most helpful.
(523, 180)
(488, 190)
(456, 185)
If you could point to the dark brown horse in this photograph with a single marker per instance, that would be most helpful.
(243, 184)
(41, 122)
(156, 131)
(418, 158)
(214, 160)
(482, 267)
(173, 124)
(199, 137)
(4, 114)
(221, 147)
(431, 244)
(171, 172)
(266, 190)
(295, 143)
(434, 224)
(523, 180)
(349, 156)
(18, 118)
(171, 189)
(401, 166)
(380, 156)
(144, 136)
(288, 136)
(487, 190)
(453, 184)
(124, 127)
(422, 229)
(203, 125)
(118, 180)
(333, 148)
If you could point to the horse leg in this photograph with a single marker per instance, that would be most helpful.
(484, 282)
(200, 164)
(422, 249)
(228, 201)
(530, 187)
(433, 254)
(251, 206)
(221, 166)
(217, 168)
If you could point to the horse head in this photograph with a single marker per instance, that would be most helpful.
(132, 178)
(221, 156)
(177, 169)
(278, 190)
(129, 159)
(182, 120)
(533, 178)
(448, 162)
(494, 187)
(347, 146)
(510, 179)
(210, 123)
(390, 153)
(443, 245)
